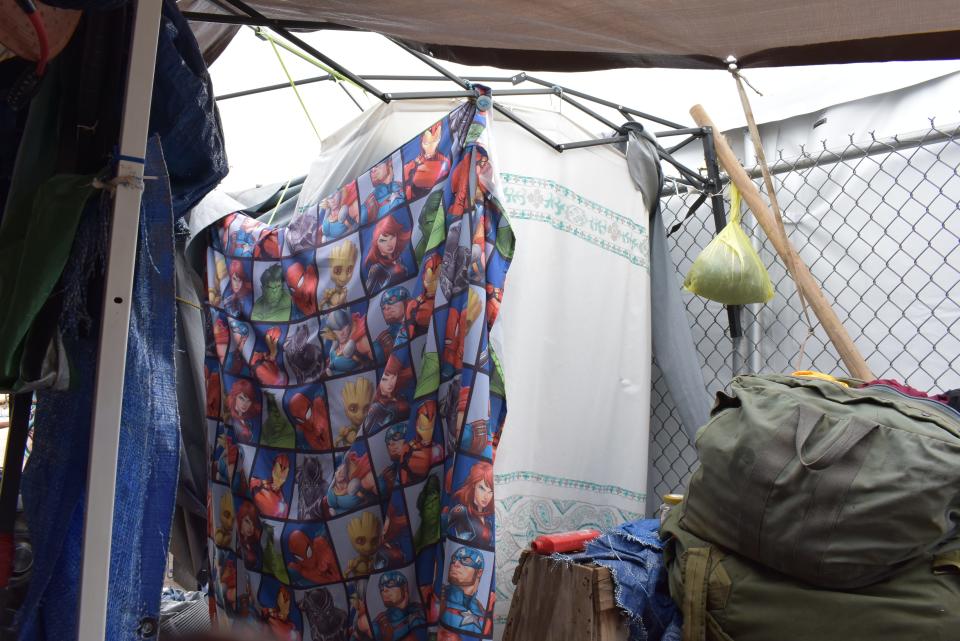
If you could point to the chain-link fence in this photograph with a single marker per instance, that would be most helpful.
(878, 223)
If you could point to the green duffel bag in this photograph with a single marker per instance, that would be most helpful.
(724, 597)
(839, 487)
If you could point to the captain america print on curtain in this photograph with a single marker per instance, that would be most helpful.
(354, 402)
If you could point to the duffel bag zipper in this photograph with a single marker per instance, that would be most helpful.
(945, 410)
(921, 405)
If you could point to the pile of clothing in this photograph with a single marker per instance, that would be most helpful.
(822, 509)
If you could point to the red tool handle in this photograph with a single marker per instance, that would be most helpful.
(564, 542)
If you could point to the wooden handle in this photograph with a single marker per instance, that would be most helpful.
(805, 282)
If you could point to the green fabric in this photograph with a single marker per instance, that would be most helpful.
(506, 242)
(432, 230)
(265, 311)
(273, 557)
(277, 430)
(746, 601)
(429, 380)
(497, 385)
(428, 505)
(34, 246)
(473, 133)
(36, 158)
(39, 221)
(840, 487)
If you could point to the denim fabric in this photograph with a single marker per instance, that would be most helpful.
(184, 114)
(54, 481)
(149, 438)
(634, 555)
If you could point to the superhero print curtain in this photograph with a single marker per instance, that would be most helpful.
(354, 403)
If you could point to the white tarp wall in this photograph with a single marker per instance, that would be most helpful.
(880, 233)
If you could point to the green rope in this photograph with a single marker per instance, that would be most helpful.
(336, 75)
(283, 193)
(294, 87)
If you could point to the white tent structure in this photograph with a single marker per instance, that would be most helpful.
(539, 35)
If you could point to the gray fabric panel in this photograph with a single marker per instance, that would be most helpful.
(671, 337)
(212, 208)
(191, 388)
(186, 537)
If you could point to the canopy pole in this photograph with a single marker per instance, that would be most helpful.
(112, 351)
(806, 283)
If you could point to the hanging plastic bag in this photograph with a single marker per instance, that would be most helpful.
(728, 270)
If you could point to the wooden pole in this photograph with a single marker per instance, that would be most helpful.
(805, 282)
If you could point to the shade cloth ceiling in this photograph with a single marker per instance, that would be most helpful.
(570, 35)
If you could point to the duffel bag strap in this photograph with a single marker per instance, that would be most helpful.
(838, 465)
(852, 433)
(696, 577)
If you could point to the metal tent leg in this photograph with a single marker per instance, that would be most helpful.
(112, 353)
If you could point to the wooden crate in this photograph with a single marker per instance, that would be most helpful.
(558, 601)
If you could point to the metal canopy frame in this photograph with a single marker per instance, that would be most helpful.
(709, 186)
(251, 17)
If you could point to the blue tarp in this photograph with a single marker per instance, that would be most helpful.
(55, 477)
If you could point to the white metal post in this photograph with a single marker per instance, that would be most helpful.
(112, 353)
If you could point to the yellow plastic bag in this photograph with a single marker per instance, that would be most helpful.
(728, 270)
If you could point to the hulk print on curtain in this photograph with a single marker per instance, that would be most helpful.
(354, 403)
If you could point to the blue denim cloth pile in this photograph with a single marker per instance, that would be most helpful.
(634, 555)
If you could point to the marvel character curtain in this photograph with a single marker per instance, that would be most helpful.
(575, 325)
(354, 402)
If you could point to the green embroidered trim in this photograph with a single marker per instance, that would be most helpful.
(560, 481)
(529, 198)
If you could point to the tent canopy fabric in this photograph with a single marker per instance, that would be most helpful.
(571, 35)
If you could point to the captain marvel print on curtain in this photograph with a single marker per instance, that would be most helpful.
(354, 402)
